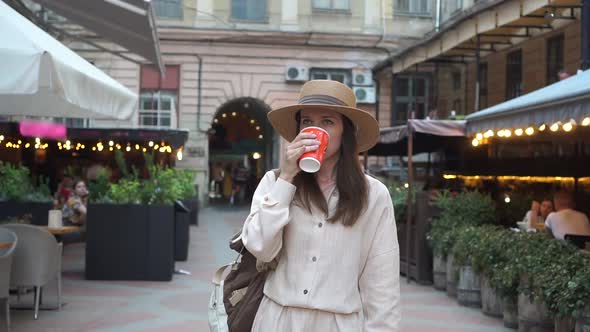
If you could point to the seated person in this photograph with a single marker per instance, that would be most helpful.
(64, 190)
(535, 217)
(566, 220)
(74, 212)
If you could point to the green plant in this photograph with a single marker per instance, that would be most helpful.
(185, 180)
(463, 209)
(399, 197)
(126, 191)
(15, 180)
(100, 186)
(121, 163)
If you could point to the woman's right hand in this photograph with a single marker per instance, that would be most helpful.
(304, 142)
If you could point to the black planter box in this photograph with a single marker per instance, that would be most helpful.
(193, 205)
(181, 235)
(38, 211)
(130, 242)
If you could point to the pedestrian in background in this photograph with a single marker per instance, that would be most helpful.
(333, 232)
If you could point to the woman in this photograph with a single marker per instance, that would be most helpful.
(74, 213)
(333, 233)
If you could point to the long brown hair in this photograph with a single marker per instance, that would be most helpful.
(350, 182)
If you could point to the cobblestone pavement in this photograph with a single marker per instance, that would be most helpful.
(181, 305)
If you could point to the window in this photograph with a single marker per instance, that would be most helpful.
(249, 10)
(331, 4)
(74, 122)
(457, 106)
(413, 7)
(554, 58)
(451, 7)
(456, 78)
(158, 97)
(483, 85)
(411, 95)
(156, 109)
(342, 76)
(168, 8)
(513, 74)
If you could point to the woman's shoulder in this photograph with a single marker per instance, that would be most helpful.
(375, 186)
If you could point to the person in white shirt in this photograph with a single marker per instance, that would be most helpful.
(536, 216)
(566, 220)
(332, 232)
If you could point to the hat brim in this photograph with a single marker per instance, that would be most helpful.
(367, 129)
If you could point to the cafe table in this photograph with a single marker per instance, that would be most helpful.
(62, 230)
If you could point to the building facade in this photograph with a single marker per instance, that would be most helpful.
(229, 62)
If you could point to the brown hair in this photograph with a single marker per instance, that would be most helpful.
(350, 182)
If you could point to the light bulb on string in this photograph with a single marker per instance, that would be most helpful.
(529, 131)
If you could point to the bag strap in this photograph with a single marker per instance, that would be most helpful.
(217, 277)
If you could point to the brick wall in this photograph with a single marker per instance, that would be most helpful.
(534, 54)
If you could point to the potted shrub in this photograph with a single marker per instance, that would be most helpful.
(486, 258)
(463, 209)
(130, 235)
(467, 243)
(20, 198)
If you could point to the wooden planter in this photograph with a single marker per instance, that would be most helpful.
(452, 277)
(565, 324)
(583, 321)
(130, 242)
(468, 289)
(38, 211)
(510, 312)
(439, 269)
(533, 316)
(491, 302)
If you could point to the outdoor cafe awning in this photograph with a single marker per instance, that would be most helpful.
(128, 23)
(561, 102)
(429, 136)
(498, 24)
(41, 77)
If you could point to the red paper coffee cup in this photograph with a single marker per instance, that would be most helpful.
(311, 161)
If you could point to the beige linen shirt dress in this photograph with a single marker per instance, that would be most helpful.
(329, 277)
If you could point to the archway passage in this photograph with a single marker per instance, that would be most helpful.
(240, 150)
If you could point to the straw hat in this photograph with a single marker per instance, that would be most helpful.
(327, 95)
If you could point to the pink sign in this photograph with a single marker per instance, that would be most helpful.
(42, 129)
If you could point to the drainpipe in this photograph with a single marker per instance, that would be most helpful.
(199, 90)
(438, 15)
(585, 26)
(477, 74)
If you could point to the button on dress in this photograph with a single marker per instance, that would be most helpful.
(329, 277)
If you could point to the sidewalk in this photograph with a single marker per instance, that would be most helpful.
(181, 305)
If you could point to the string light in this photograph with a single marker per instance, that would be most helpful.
(585, 123)
(518, 132)
(479, 136)
(555, 127)
(475, 142)
(111, 143)
(150, 143)
(529, 131)
(542, 127)
(567, 127)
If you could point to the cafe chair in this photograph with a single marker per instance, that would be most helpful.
(577, 240)
(37, 261)
(8, 238)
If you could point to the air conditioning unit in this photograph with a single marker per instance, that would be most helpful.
(296, 74)
(362, 78)
(364, 95)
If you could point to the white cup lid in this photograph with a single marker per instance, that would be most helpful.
(309, 165)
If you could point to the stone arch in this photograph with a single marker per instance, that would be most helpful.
(240, 137)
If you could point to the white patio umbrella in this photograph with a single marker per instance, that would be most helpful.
(41, 77)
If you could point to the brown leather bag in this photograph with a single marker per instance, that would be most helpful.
(244, 285)
(243, 291)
